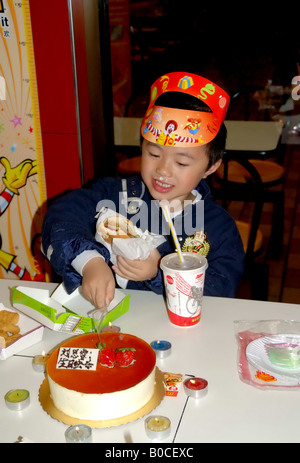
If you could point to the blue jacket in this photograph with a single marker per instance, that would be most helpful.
(69, 229)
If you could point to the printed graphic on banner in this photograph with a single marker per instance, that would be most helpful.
(22, 191)
(2, 88)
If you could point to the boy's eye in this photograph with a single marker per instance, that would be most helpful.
(182, 165)
(154, 155)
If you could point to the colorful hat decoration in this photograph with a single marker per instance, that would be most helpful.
(185, 82)
(180, 127)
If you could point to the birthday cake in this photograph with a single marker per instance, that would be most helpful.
(119, 382)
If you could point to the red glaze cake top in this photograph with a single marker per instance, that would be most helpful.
(104, 379)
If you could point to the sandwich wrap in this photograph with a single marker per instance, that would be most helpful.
(122, 238)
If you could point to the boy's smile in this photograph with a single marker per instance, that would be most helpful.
(161, 187)
(171, 173)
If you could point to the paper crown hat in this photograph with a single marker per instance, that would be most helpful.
(184, 127)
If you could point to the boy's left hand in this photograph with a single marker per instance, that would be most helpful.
(138, 270)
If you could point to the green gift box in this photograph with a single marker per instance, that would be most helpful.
(61, 311)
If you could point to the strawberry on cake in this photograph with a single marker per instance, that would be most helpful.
(122, 383)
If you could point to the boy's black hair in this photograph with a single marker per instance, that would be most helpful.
(177, 100)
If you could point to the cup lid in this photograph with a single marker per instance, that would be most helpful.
(192, 262)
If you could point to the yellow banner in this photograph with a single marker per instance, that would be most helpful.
(22, 180)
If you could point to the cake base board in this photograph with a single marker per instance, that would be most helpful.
(49, 407)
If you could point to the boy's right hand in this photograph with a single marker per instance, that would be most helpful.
(98, 283)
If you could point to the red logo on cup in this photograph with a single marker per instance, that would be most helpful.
(170, 279)
(199, 276)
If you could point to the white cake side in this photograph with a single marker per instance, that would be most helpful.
(105, 406)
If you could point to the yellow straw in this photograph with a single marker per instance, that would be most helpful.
(171, 225)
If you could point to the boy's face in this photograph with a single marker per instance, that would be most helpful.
(171, 173)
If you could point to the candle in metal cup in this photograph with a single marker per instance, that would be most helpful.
(158, 427)
(161, 348)
(110, 328)
(195, 387)
(79, 434)
(17, 399)
(39, 362)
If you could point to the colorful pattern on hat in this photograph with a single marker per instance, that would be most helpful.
(171, 127)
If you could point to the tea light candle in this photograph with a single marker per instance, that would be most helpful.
(17, 399)
(195, 387)
(161, 348)
(110, 329)
(39, 362)
(79, 434)
(158, 427)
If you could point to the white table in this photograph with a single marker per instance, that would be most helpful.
(231, 412)
(253, 138)
(260, 137)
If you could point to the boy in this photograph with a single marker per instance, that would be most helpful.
(183, 142)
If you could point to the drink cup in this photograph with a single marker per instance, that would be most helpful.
(184, 284)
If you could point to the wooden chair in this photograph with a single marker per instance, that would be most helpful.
(272, 173)
(127, 144)
(252, 190)
(129, 166)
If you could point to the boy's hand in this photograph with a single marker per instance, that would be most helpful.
(98, 283)
(138, 270)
